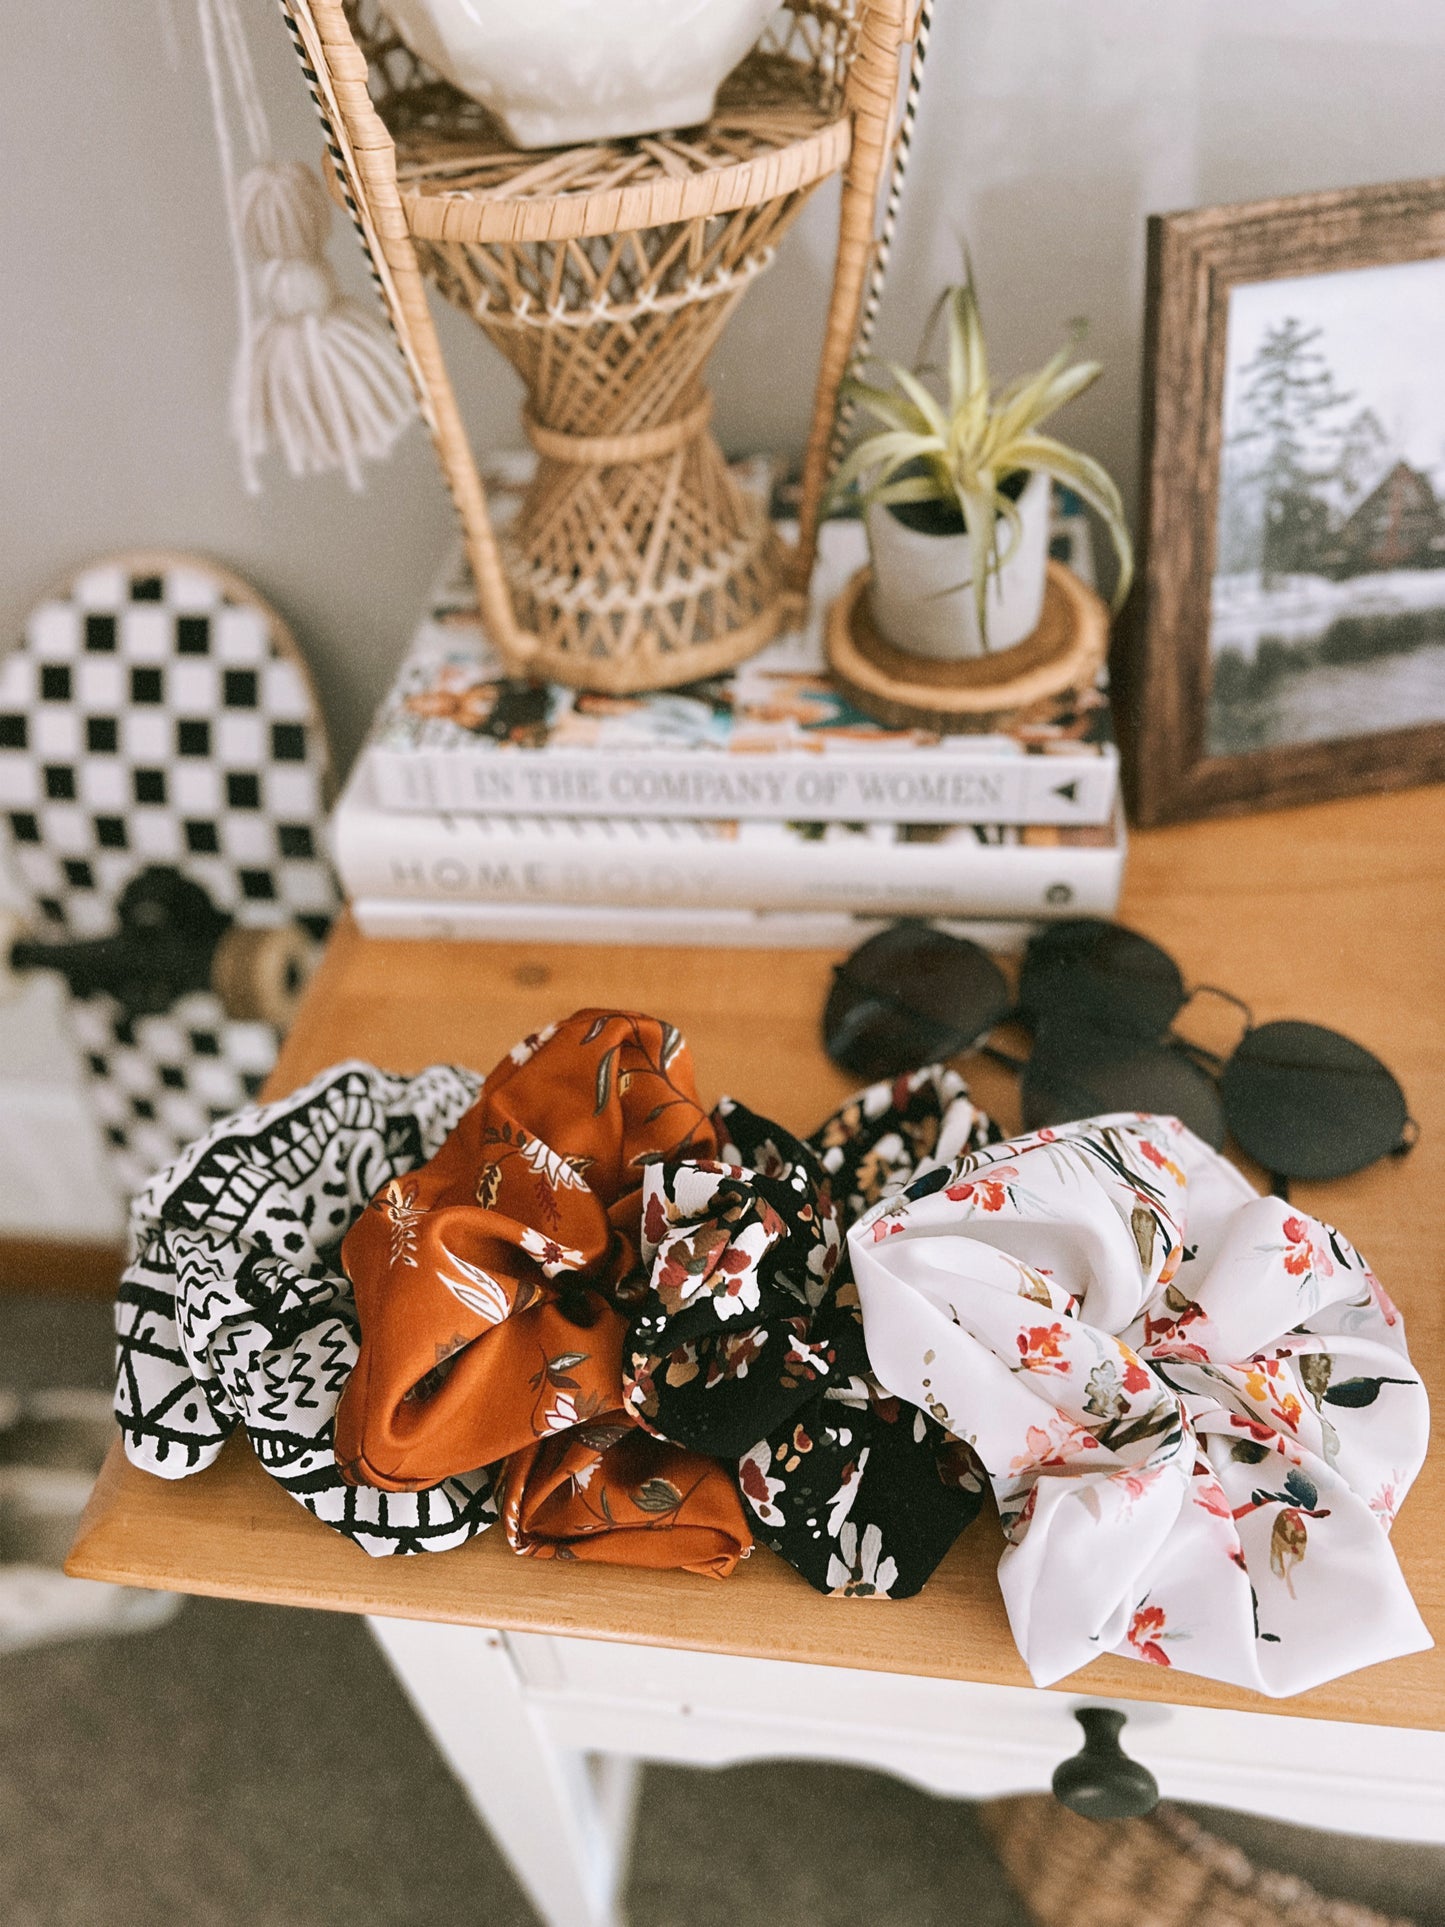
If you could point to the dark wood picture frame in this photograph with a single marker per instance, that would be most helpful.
(1161, 671)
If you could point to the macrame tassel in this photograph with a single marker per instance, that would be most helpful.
(315, 371)
(322, 378)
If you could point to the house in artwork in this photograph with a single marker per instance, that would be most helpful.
(1398, 525)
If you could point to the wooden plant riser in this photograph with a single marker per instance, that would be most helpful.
(1066, 651)
(606, 273)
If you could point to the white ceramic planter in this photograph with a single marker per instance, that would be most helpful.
(922, 590)
(556, 72)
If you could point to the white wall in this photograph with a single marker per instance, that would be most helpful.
(1049, 129)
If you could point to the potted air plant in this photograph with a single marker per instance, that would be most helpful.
(956, 495)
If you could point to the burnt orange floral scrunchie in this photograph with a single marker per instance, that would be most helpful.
(492, 1283)
(611, 1493)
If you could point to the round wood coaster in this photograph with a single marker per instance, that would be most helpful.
(1066, 651)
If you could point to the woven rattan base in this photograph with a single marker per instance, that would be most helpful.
(1161, 1872)
(1065, 652)
(650, 614)
(634, 562)
(606, 273)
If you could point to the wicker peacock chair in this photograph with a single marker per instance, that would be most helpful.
(606, 274)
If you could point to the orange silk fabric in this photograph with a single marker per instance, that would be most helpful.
(491, 1283)
(613, 1493)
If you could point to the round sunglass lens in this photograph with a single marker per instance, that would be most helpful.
(1082, 1075)
(938, 975)
(1305, 1102)
(874, 1040)
(1101, 975)
(911, 995)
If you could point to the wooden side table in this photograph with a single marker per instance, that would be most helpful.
(546, 1683)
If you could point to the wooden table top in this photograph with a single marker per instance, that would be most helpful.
(1333, 914)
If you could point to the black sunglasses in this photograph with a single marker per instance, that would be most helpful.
(1099, 1001)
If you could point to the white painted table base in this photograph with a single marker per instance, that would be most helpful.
(547, 1736)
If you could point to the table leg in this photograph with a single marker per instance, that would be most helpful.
(563, 1819)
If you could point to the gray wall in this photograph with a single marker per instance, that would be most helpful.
(1050, 128)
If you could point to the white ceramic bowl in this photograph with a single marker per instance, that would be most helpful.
(555, 72)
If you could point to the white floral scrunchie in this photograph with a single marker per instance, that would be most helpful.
(1195, 1404)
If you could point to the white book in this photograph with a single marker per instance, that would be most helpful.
(695, 929)
(883, 869)
(772, 739)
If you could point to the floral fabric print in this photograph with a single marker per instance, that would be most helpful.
(861, 1493)
(877, 1140)
(741, 1256)
(611, 1493)
(1195, 1404)
(492, 1285)
(749, 1342)
(235, 1310)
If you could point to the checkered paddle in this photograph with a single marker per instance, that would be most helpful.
(157, 712)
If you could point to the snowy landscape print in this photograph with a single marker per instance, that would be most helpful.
(1327, 609)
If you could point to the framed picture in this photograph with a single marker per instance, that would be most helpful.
(1287, 641)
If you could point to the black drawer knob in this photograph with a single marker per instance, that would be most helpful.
(1101, 1781)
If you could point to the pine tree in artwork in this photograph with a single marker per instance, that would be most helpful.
(1282, 448)
(1364, 449)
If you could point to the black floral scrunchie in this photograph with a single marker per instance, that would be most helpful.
(750, 1345)
(741, 1256)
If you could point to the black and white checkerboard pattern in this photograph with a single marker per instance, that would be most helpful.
(156, 717)
(156, 1083)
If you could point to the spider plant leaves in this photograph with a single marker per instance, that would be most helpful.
(1006, 511)
(892, 410)
(966, 446)
(908, 488)
(1028, 402)
(981, 519)
(929, 409)
(1093, 482)
(888, 453)
(967, 350)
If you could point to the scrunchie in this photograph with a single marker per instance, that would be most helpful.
(1195, 1404)
(611, 1493)
(740, 1256)
(749, 1343)
(234, 1310)
(490, 1285)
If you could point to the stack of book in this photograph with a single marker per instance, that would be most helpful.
(758, 807)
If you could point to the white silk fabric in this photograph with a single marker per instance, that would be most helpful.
(1195, 1404)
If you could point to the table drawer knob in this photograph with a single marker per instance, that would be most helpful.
(1101, 1781)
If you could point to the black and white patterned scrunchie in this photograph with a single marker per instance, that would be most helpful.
(235, 1310)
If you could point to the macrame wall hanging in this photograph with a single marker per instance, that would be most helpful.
(317, 375)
